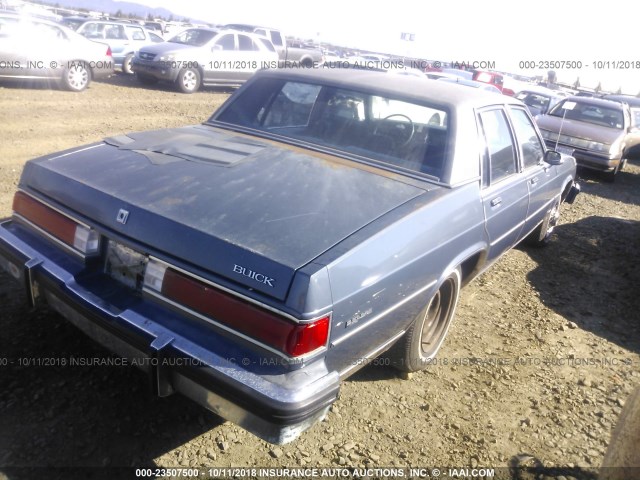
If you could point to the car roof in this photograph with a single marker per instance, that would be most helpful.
(628, 99)
(25, 16)
(422, 90)
(246, 26)
(599, 102)
(111, 22)
(542, 91)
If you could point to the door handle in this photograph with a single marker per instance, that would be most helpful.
(496, 201)
(534, 180)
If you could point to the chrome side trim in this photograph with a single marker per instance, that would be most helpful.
(545, 206)
(372, 354)
(501, 237)
(78, 151)
(384, 313)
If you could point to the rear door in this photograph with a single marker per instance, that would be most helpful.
(505, 195)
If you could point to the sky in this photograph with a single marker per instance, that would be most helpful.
(598, 41)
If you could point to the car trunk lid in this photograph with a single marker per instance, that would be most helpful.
(246, 209)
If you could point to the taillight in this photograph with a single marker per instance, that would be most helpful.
(77, 236)
(308, 337)
(109, 54)
(253, 321)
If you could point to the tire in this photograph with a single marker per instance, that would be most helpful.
(76, 77)
(126, 64)
(541, 236)
(306, 62)
(188, 80)
(146, 79)
(429, 329)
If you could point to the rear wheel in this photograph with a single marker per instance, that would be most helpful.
(429, 329)
(76, 76)
(188, 80)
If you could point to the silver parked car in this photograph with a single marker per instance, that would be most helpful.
(205, 56)
(539, 100)
(33, 48)
(125, 39)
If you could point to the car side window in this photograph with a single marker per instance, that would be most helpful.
(136, 33)
(115, 32)
(500, 150)
(276, 38)
(245, 43)
(531, 150)
(226, 42)
(292, 106)
(91, 30)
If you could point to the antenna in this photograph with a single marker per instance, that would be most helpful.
(567, 105)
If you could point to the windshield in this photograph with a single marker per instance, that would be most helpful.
(603, 116)
(389, 131)
(534, 100)
(194, 37)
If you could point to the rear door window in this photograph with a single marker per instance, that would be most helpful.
(500, 158)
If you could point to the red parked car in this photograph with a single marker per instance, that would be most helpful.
(492, 78)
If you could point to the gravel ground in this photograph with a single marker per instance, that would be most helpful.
(544, 350)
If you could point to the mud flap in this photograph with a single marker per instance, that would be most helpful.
(573, 193)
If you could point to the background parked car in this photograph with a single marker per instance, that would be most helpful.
(124, 39)
(633, 102)
(73, 22)
(492, 78)
(539, 100)
(38, 49)
(307, 56)
(471, 83)
(204, 56)
(598, 133)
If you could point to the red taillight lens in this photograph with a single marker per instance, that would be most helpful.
(109, 54)
(242, 317)
(80, 237)
(306, 338)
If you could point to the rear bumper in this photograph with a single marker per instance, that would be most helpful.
(277, 408)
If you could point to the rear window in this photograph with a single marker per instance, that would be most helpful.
(388, 131)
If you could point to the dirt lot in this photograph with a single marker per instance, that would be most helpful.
(554, 333)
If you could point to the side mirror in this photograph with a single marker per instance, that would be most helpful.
(553, 158)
